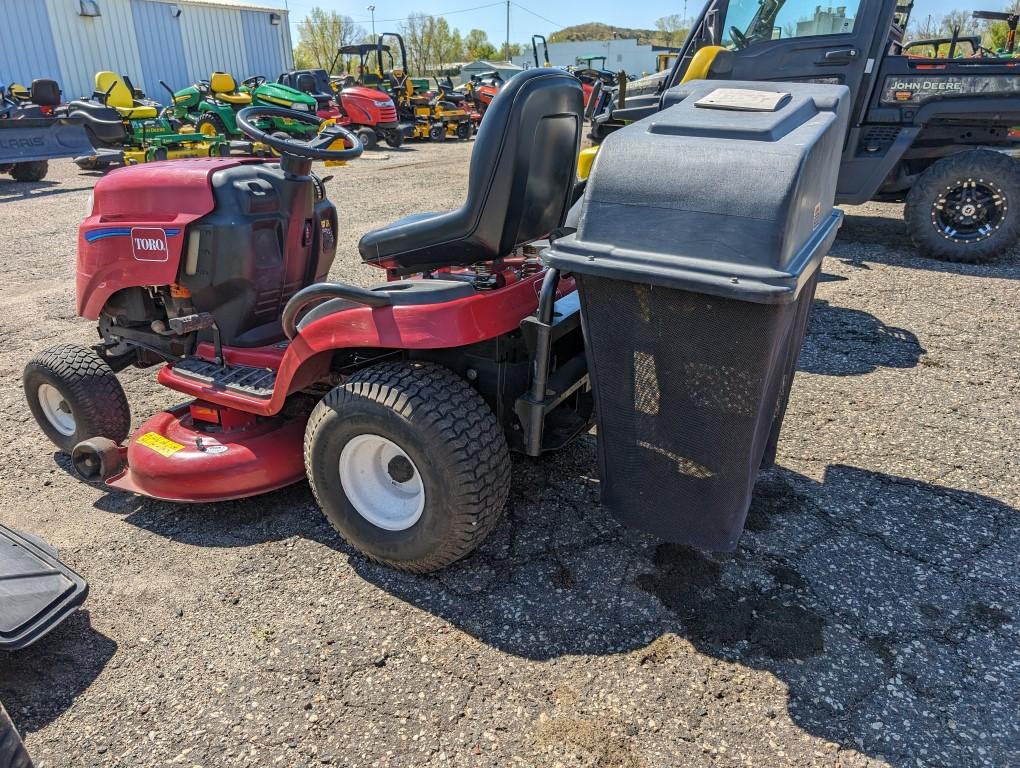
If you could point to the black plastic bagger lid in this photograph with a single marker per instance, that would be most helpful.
(728, 191)
(37, 591)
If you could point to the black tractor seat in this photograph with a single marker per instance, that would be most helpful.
(520, 182)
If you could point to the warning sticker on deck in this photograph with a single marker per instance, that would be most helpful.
(161, 445)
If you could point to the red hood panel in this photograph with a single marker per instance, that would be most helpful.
(361, 92)
(135, 232)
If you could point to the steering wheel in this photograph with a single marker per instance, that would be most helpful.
(313, 149)
(739, 38)
(254, 82)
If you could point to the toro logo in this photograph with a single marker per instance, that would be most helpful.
(149, 244)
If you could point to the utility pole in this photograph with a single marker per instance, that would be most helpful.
(506, 48)
(371, 9)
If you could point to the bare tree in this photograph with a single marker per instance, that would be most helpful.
(320, 34)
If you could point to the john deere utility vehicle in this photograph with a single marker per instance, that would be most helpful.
(125, 127)
(931, 132)
(211, 106)
(34, 130)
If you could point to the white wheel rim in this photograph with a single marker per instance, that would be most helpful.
(56, 409)
(382, 482)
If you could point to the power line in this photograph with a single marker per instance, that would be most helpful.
(539, 16)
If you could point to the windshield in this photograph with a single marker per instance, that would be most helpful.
(757, 21)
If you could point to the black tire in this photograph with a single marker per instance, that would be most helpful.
(437, 132)
(211, 122)
(938, 202)
(368, 138)
(35, 170)
(395, 139)
(89, 390)
(464, 130)
(12, 750)
(159, 154)
(452, 439)
(88, 163)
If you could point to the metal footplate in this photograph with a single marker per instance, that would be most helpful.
(243, 379)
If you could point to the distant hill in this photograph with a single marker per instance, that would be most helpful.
(597, 31)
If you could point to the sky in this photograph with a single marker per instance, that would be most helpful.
(543, 17)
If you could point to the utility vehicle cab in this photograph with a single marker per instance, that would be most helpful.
(927, 131)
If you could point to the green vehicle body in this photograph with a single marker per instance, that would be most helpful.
(192, 103)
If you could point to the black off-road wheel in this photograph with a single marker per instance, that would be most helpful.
(35, 170)
(966, 207)
(437, 132)
(12, 751)
(210, 124)
(409, 464)
(73, 395)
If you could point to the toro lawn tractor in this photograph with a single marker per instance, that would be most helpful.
(211, 106)
(367, 111)
(125, 127)
(33, 130)
(400, 402)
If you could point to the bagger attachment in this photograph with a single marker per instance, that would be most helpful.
(697, 251)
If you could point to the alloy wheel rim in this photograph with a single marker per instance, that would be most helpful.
(969, 210)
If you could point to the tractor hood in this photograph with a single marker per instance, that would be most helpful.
(362, 92)
(278, 95)
(37, 591)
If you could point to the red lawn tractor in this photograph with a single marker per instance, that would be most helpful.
(400, 402)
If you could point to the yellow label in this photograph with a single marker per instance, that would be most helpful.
(161, 445)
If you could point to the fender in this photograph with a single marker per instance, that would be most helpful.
(306, 359)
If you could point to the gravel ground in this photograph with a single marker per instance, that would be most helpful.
(869, 616)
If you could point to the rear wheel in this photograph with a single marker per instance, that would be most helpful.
(35, 170)
(464, 130)
(409, 464)
(74, 395)
(210, 124)
(966, 207)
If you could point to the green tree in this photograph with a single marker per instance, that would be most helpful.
(477, 45)
(320, 34)
(672, 29)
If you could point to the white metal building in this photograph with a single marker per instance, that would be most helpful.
(624, 55)
(179, 41)
(505, 69)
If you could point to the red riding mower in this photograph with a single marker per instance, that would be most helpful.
(400, 402)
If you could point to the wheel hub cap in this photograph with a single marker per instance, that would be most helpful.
(969, 210)
(382, 482)
(56, 409)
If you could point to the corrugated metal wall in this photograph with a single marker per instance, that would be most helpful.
(138, 38)
(161, 48)
(27, 50)
(87, 45)
(213, 42)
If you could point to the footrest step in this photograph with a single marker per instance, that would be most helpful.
(243, 379)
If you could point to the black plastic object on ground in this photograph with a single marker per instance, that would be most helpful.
(37, 591)
(699, 242)
(12, 751)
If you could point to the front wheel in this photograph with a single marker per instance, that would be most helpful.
(464, 130)
(437, 132)
(368, 138)
(966, 207)
(409, 464)
(73, 395)
(395, 139)
(34, 170)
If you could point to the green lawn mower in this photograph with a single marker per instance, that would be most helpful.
(126, 128)
(211, 106)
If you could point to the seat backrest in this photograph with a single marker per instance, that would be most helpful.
(45, 92)
(520, 181)
(222, 82)
(710, 61)
(114, 88)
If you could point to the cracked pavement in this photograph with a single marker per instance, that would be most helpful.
(869, 616)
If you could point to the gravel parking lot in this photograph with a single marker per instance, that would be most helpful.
(869, 617)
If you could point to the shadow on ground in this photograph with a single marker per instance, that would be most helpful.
(886, 606)
(39, 683)
(849, 342)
